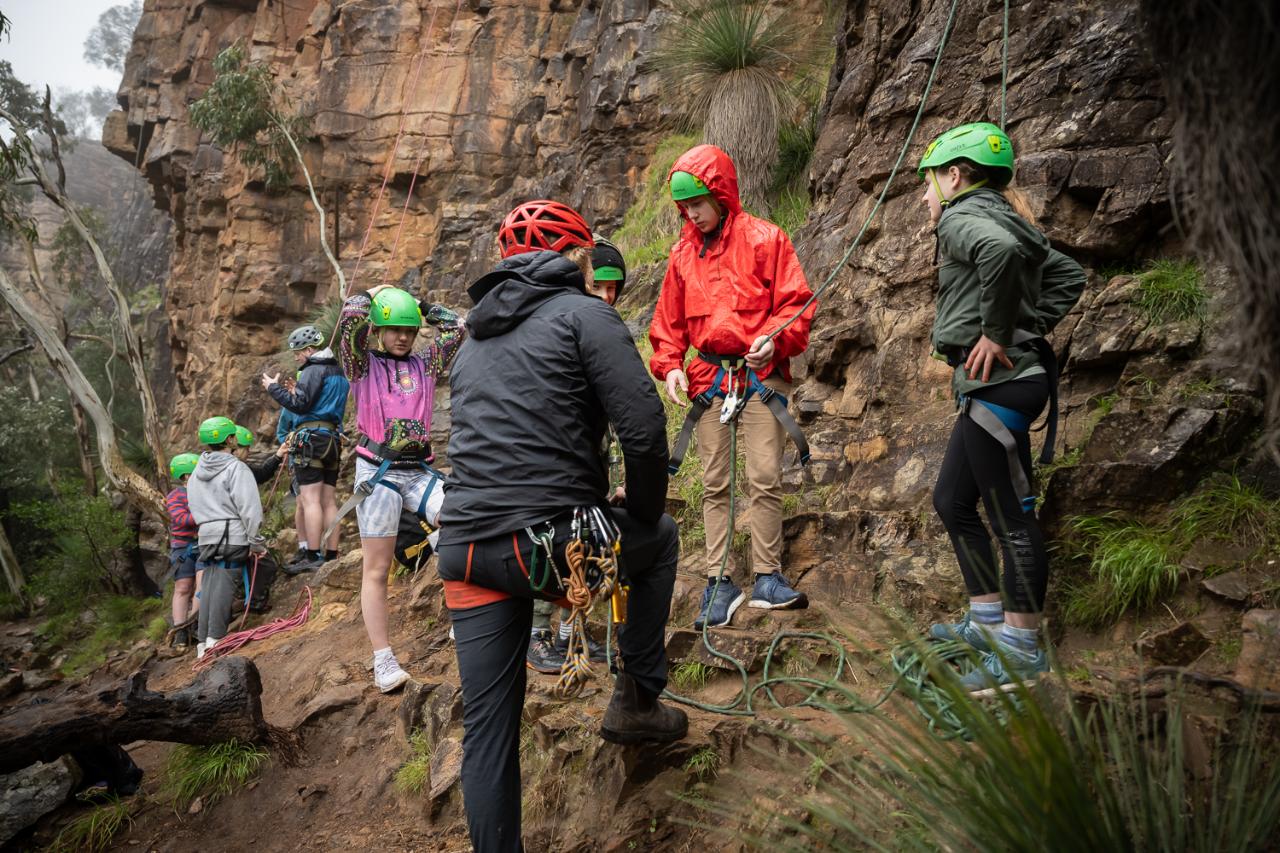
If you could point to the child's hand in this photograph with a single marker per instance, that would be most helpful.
(676, 379)
(268, 381)
(983, 357)
(283, 450)
(619, 497)
(761, 353)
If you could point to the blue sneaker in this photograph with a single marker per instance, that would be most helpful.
(718, 610)
(1004, 671)
(964, 631)
(772, 592)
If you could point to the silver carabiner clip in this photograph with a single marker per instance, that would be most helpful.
(730, 406)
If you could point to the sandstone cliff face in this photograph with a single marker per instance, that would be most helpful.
(500, 101)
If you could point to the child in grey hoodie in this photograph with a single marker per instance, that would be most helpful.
(223, 497)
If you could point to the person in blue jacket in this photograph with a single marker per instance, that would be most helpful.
(316, 404)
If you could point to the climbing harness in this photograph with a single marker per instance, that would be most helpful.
(740, 383)
(311, 442)
(386, 459)
(1001, 422)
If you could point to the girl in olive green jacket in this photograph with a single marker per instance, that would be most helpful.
(1001, 289)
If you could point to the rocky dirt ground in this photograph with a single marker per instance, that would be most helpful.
(339, 791)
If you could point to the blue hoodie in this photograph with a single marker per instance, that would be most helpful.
(320, 394)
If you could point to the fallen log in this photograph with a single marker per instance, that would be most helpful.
(223, 702)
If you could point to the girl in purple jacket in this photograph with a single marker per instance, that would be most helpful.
(394, 390)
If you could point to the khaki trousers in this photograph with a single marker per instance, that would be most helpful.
(761, 439)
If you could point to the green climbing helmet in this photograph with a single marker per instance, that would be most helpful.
(182, 464)
(244, 437)
(981, 142)
(217, 430)
(395, 307)
(685, 185)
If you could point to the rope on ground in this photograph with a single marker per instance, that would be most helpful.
(232, 643)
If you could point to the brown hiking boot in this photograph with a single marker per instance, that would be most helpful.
(635, 715)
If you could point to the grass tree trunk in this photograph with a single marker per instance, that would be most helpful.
(136, 489)
(743, 122)
(55, 192)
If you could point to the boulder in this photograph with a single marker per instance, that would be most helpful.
(29, 794)
(1259, 663)
(1180, 645)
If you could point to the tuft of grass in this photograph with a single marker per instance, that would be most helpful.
(705, 763)
(1200, 387)
(415, 774)
(1172, 290)
(157, 628)
(211, 772)
(94, 830)
(651, 226)
(690, 675)
(1131, 566)
(791, 209)
(1226, 509)
(1041, 775)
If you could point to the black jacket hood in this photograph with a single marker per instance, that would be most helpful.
(506, 297)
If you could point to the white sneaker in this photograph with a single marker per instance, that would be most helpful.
(388, 675)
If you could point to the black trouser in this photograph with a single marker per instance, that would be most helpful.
(975, 468)
(492, 641)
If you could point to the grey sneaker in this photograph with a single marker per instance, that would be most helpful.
(1004, 669)
(964, 631)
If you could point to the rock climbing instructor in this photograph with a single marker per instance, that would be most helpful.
(1001, 289)
(318, 401)
(546, 369)
(732, 280)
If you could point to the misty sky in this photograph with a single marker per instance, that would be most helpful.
(46, 44)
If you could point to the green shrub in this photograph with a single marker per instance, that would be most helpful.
(211, 772)
(705, 763)
(791, 209)
(1131, 567)
(1172, 290)
(94, 830)
(119, 620)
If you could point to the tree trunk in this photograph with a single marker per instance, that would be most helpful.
(132, 348)
(136, 489)
(9, 566)
(223, 702)
(83, 445)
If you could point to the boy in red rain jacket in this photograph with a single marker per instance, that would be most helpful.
(733, 279)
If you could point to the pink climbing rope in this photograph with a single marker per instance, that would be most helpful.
(417, 164)
(232, 643)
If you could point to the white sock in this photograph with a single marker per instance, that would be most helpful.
(566, 628)
(302, 545)
(382, 655)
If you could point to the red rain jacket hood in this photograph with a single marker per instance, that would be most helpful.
(722, 293)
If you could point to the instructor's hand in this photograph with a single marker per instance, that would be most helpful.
(268, 381)
(676, 380)
(983, 357)
(761, 353)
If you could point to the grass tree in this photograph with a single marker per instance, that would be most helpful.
(733, 63)
(245, 112)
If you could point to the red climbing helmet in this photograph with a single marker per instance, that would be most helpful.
(543, 225)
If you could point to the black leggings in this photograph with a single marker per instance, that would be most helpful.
(975, 468)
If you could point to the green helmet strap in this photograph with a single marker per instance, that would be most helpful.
(937, 188)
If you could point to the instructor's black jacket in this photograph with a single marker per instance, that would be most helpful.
(533, 389)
